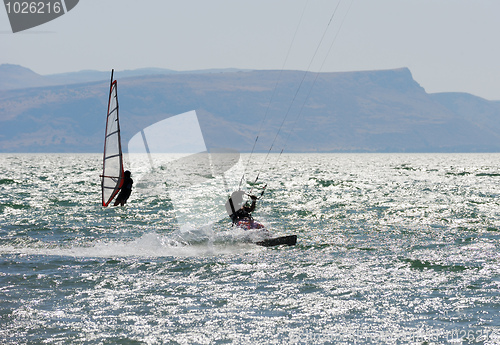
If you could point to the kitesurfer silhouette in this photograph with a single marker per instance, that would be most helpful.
(243, 217)
(245, 212)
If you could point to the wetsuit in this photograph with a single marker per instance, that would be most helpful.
(240, 215)
(243, 217)
(125, 191)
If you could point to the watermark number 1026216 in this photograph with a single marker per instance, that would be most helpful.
(28, 14)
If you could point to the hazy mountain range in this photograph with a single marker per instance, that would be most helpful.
(370, 111)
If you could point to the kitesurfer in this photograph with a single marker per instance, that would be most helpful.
(243, 217)
(126, 189)
(245, 212)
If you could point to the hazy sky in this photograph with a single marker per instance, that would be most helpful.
(449, 45)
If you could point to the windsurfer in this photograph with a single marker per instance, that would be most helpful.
(125, 191)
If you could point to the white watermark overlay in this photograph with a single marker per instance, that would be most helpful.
(418, 336)
(171, 156)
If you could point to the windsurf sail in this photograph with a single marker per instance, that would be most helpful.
(112, 167)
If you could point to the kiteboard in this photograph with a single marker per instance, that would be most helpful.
(290, 240)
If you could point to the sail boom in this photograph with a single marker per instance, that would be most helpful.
(114, 177)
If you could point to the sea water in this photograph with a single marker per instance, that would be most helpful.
(392, 249)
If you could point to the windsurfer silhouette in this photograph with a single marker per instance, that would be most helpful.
(125, 191)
